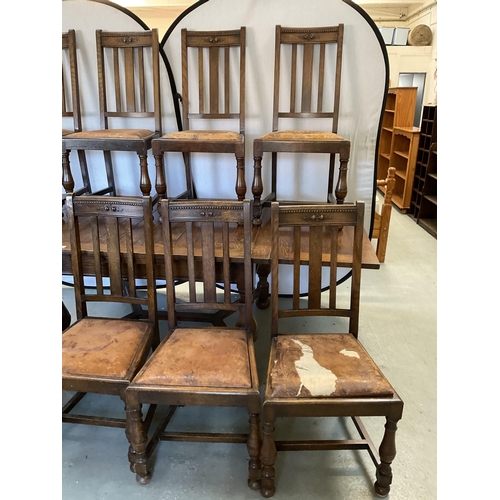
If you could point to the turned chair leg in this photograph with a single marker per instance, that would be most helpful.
(138, 440)
(145, 181)
(67, 177)
(160, 182)
(341, 187)
(257, 189)
(241, 186)
(253, 446)
(387, 452)
(267, 458)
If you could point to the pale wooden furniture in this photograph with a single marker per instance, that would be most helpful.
(128, 90)
(71, 108)
(309, 54)
(201, 366)
(102, 354)
(214, 92)
(399, 111)
(403, 158)
(382, 219)
(322, 374)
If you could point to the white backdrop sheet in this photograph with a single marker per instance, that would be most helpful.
(364, 84)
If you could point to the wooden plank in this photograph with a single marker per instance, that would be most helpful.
(261, 248)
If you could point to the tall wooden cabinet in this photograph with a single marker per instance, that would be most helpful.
(424, 196)
(428, 136)
(399, 143)
(403, 158)
(427, 215)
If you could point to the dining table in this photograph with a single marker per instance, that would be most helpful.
(260, 252)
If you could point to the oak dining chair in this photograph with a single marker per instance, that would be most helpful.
(306, 60)
(213, 104)
(325, 372)
(201, 365)
(71, 108)
(101, 353)
(129, 90)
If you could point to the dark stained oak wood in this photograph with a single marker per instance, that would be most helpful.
(71, 108)
(216, 92)
(101, 354)
(306, 53)
(127, 90)
(201, 366)
(261, 247)
(260, 251)
(322, 374)
(66, 317)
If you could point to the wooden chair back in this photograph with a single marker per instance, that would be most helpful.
(315, 230)
(127, 88)
(70, 86)
(307, 54)
(219, 59)
(382, 219)
(211, 233)
(110, 228)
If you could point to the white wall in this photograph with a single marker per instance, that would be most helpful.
(408, 59)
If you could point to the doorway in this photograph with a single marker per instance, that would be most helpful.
(414, 80)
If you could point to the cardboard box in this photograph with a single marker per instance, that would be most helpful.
(387, 34)
(400, 36)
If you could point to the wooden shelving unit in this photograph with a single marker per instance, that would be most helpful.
(403, 157)
(398, 143)
(427, 215)
(428, 136)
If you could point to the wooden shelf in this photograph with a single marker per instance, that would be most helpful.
(401, 174)
(397, 199)
(427, 217)
(430, 225)
(432, 199)
(403, 157)
(398, 142)
(402, 153)
(424, 195)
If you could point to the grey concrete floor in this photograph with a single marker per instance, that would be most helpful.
(398, 326)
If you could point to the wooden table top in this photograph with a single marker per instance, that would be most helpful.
(261, 247)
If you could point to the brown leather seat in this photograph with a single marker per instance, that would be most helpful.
(192, 358)
(333, 366)
(97, 347)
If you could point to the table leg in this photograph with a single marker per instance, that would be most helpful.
(263, 271)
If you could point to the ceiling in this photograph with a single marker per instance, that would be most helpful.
(387, 10)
